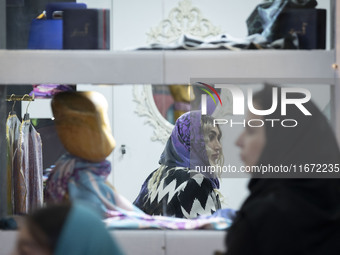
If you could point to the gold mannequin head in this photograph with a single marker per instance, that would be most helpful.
(82, 124)
(181, 93)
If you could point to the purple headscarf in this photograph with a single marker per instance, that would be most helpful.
(186, 146)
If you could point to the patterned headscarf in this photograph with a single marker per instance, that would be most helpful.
(186, 145)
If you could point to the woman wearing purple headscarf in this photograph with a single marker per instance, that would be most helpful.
(181, 187)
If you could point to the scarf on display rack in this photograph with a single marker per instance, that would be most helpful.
(263, 20)
(49, 90)
(85, 181)
(225, 42)
(220, 220)
(77, 179)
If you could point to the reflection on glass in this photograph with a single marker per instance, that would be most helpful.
(173, 100)
(233, 126)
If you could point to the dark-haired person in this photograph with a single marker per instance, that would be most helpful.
(288, 213)
(65, 229)
(177, 188)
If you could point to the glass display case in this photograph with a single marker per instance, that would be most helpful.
(125, 75)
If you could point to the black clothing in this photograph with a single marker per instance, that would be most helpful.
(291, 215)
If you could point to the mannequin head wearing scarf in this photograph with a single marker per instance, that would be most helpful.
(81, 175)
(65, 229)
(82, 124)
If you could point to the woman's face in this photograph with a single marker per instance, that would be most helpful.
(26, 245)
(213, 145)
(252, 141)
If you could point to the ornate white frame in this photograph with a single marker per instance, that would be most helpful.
(183, 19)
(169, 30)
(146, 106)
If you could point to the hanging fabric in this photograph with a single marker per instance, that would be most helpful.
(30, 165)
(24, 162)
(15, 184)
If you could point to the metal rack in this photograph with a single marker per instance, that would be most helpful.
(25, 97)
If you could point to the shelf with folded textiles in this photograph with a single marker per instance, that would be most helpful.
(165, 66)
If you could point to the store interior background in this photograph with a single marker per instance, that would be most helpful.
(130, 22)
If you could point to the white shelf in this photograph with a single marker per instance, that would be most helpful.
(251, 66)
(149, 241)
(72, 67)
(165, 67)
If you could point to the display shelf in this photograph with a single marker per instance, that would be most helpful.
(282, 66)
(73, 67)
(151, 241)
(165, 67)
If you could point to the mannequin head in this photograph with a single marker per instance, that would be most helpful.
(183, 95)
(82, 124)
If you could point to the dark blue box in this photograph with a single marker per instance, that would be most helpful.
(308, 23)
